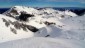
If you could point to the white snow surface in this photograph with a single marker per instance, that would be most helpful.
(67, 32)
(40, 42)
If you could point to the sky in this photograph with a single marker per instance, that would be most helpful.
(43, 3)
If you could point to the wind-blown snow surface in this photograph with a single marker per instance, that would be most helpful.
(64, 29)
(40, 42)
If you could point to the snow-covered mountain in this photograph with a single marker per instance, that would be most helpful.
(17, 10)
(24, 22)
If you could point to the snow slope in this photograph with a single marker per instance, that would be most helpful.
(40, 42)
(6, 33)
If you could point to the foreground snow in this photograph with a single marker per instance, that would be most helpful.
(40, 42)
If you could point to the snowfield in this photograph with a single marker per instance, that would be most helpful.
(40, 42)
(27, 27)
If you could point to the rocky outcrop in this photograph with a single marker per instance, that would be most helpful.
(24, 16)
